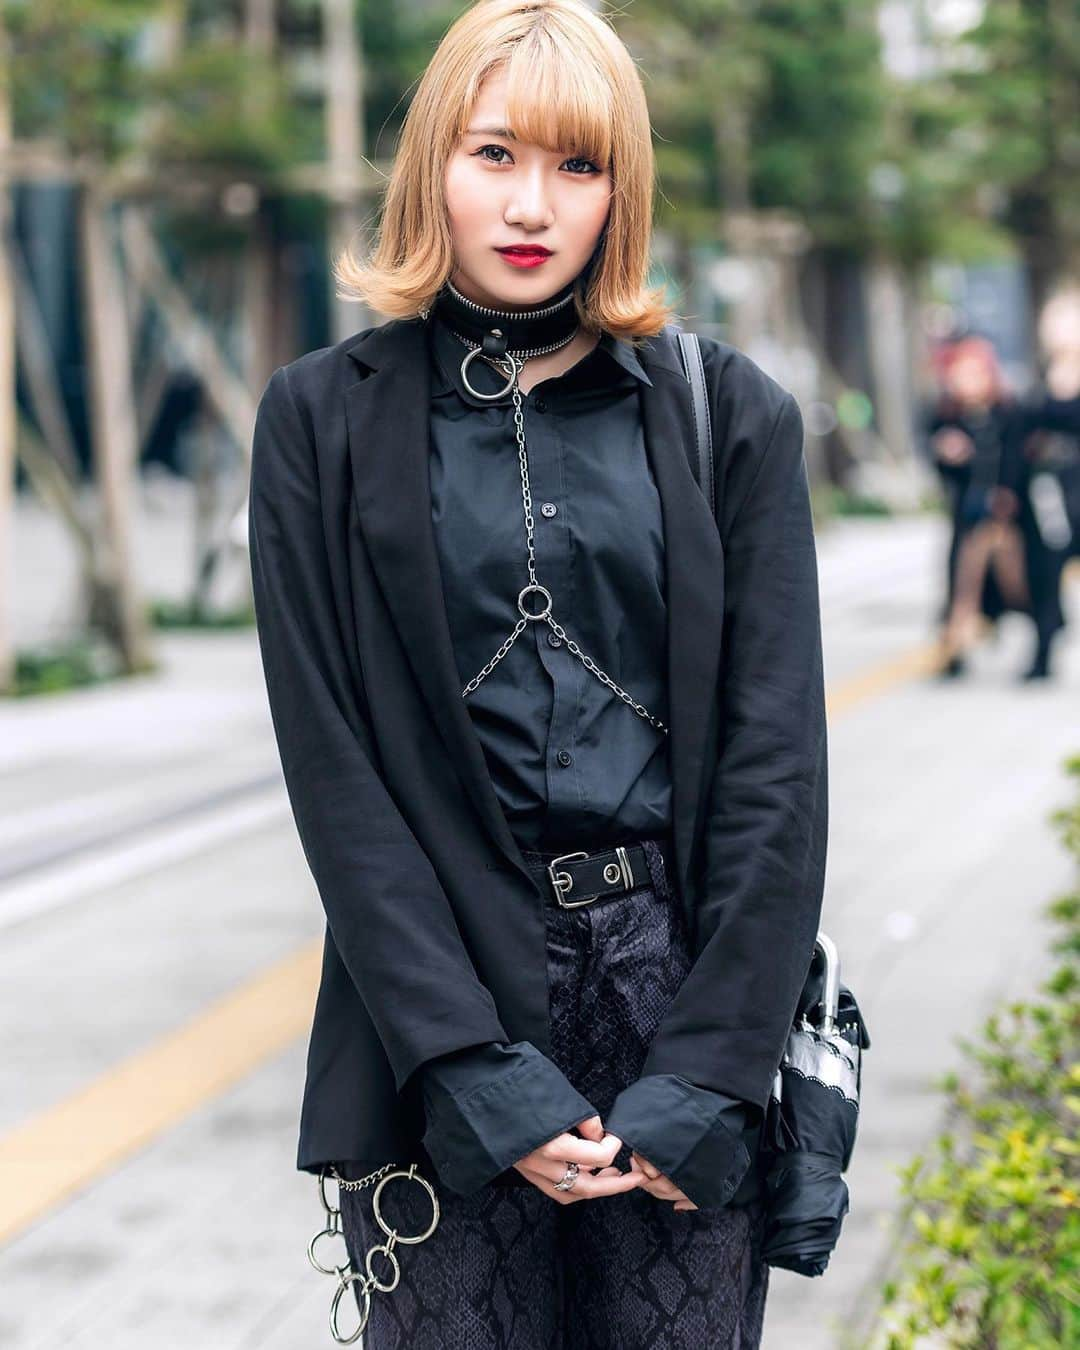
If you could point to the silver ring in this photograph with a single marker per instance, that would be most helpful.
(365, 1293)
(387, 1251)
(534, 586)
(332, 1231)
(410, 1175)
(476, 393)
(566, 1182)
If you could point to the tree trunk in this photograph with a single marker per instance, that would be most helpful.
(116, 606)
(344, 146)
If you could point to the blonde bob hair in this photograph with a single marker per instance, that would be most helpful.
(572, 88)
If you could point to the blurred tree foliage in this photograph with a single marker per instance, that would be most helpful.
(1017, 91)
(73, 78)
(773, 104)
(988, 145)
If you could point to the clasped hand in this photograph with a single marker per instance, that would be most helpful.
(596, 1149)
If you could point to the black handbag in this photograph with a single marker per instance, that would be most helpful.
(811, 1121)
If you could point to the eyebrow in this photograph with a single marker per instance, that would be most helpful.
(491, 131)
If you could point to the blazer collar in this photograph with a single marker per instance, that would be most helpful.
(387, 412)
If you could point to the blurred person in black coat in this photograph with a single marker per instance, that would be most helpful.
(1042, 467)
(969, 432)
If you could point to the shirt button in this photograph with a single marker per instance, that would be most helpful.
(565, 757)
(548, 509)
(540, 405)
(554, 640)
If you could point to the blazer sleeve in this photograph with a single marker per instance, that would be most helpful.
(766, 821)
(693, 1135)
(489, 1105)
(389, 916)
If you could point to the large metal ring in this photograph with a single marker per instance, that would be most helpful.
(387, 1250)
(410, 1176)
(324, 1177)
(333, 1231)
(534, 586)
(346, 1280)
(476, 393)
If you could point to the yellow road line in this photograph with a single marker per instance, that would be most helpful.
(910, 665)
(52, 1155)
(47, 1158)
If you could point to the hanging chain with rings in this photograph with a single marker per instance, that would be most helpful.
(367, 1280)
(516, 361)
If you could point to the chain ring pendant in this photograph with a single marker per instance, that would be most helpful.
(477, 393)
(532, 587)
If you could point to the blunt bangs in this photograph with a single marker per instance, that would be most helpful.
(556, 98)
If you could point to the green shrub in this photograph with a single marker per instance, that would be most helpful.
(185, 614)
(994, 1259)
(68, 663)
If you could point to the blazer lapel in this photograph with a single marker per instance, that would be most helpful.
(387, 419)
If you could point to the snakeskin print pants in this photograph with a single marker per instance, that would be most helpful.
(509, 1268)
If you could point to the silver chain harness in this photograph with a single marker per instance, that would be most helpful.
(516, 361)
(368, 1280)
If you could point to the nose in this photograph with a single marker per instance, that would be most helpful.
(529, 203)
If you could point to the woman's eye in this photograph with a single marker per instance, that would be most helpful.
(501, 149)
(593, 168)
(484, 148)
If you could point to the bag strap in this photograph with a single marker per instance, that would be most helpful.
(694, 370)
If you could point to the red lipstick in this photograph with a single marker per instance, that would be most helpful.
(525, 255)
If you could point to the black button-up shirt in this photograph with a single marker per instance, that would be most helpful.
(571, 763)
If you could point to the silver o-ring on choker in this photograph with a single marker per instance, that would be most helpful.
(515, 367)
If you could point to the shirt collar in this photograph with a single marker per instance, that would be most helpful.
(447, 351)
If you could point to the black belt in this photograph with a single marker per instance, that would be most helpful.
(580, 878)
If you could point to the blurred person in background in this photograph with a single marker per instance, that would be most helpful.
(969, 433)
(1042, 468)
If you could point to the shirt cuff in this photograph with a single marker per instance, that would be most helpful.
(489, 1105)
(692, 1134)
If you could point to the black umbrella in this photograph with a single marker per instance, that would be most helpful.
(811, 1121)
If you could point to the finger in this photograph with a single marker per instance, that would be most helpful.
(685, 1204)
(666, 1189)
(587, 1187)
(663, 1188)
(591, 1128)
(647, 1167)
(585, 1152)
(554, 1169)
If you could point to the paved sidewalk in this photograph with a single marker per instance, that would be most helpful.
(149, 866)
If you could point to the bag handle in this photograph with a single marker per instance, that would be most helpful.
(694, 370)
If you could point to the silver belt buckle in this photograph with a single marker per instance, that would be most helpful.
(563, 881)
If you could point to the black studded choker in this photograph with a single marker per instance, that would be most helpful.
(498, 331)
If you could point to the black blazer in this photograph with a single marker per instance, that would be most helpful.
(435, 933)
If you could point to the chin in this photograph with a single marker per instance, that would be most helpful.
(535, 294)
(510, 287)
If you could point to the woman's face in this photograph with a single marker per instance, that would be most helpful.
(971, 380)
(501, 192)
